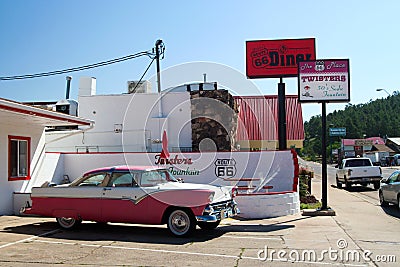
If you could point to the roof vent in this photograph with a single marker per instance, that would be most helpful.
(67, 106)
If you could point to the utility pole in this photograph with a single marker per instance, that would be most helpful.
(159, 45)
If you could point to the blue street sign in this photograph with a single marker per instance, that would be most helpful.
(337, 131)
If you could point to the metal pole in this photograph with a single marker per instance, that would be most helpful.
(158, 43)
(330, 144)
(68, 78)
(281, 115)
(324, 167)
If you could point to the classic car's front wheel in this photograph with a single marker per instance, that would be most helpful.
(208, 225)
(181, 223)
(68, 223)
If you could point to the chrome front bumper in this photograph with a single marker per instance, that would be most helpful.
(219, 212)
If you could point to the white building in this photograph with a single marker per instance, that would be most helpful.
(128, 130)
(22, 146)
(127, 122)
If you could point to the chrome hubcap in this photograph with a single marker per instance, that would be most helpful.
(67, 221)
(179, 222)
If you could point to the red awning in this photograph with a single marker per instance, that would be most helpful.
(258, 118)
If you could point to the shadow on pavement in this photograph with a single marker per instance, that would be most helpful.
(91, 231)
(356, 188)
(392, 210)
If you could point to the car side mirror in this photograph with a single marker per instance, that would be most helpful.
(385, 181)
(336, 166)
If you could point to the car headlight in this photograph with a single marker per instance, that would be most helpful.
(211, 197)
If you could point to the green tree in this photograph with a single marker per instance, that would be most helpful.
(380, 117)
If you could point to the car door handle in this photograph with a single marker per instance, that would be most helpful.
(105, 189)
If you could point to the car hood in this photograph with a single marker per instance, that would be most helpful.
(221, 193)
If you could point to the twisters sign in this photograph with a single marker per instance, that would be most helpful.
(324, 80)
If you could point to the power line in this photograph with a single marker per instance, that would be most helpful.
(148, 67)
(86, 67)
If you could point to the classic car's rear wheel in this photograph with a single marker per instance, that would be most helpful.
(208, 225)
(181, 222)
(68, 223)
(382, 200)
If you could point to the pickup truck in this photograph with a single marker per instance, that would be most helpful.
(358, 171)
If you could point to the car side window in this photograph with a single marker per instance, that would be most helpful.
(94, 180)
(394, 177)
(122, 179)
(150, 178)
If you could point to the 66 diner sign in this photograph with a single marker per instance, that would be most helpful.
(277, 58)
(325, 80)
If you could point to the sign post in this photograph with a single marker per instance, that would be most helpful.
(324, 81)
(282, 116)
(278, 59)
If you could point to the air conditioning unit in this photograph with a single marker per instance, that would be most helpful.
(135, 87)
(67, 106)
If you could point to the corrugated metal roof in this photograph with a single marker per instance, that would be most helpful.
(395, 140)
(383, 148)
(349, 142)
(258, 118)
(376, 140)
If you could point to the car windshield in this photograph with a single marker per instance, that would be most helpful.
(95, 179)
(155, 177)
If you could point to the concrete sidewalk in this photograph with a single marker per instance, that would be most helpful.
(361, 222)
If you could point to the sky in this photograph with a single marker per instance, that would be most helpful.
(44, 35)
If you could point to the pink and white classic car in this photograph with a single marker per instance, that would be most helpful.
(143, 195)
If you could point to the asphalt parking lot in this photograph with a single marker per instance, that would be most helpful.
(39, 241)
(27, 241)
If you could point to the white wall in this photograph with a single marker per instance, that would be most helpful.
(142, 116)
(275, 168)
(36, 152)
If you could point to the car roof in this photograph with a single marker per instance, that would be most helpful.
(124, 168)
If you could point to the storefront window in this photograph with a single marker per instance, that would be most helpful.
(18, 158)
